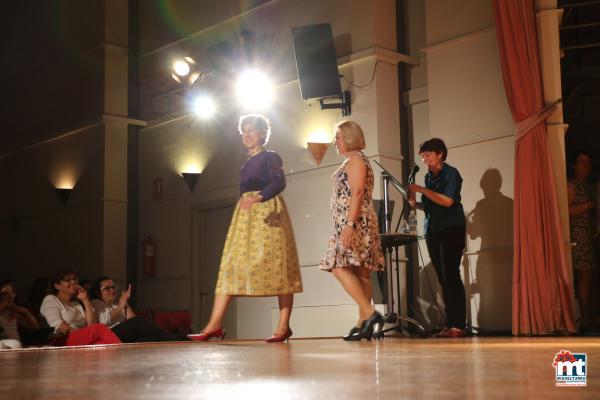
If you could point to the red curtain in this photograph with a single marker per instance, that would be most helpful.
(542, 287)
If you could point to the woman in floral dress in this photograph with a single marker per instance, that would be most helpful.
(354, 246)
(581, 217)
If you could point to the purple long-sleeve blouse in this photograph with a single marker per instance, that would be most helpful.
(264, 173)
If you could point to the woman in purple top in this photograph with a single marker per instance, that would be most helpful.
(259, 257)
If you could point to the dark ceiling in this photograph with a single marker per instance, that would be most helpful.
(52, 68)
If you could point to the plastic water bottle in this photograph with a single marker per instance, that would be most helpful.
(404, 226)
(412, 222)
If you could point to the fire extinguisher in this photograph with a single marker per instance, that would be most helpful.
(149, 257)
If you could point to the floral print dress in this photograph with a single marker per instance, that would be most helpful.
(365, 250)
(582, 230)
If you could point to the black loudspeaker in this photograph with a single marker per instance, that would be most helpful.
(316, 62)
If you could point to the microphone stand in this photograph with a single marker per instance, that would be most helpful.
(386, 197)
(391, 316)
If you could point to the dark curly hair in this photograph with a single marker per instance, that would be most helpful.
(57, 278)
(573, 156)
(436, 145)
(96, 287)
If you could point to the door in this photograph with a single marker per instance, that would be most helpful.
(210, 225)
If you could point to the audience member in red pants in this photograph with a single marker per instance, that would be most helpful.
(93, 334)
(74, 318)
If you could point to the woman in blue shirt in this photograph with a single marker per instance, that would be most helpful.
(444, 229)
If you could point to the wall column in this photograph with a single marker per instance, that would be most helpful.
(548, 22)
(115, 140)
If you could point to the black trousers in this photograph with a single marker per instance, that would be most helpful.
(138, 329)
(445, 250)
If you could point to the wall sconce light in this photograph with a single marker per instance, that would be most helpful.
(317, 150)
(63, 194)
(190, 178)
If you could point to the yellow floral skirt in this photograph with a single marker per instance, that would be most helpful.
(260, 256)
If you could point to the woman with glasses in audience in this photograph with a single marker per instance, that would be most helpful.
(74, 319)
(120, 317)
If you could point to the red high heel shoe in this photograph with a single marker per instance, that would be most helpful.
(277, 338)
(219, 334)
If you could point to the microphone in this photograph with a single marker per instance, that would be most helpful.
(413, 172)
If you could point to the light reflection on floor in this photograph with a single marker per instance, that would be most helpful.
(302, 369)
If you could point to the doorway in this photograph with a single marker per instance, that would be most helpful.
(210, 222)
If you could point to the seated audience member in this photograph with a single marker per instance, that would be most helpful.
(13, 317)
(121, 318)
(67, 316)
(18, 322)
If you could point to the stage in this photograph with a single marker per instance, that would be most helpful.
(394, 368)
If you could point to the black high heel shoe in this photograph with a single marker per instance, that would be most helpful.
(373, 326)
(356, 333)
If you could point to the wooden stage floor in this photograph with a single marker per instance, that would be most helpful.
(473, 368)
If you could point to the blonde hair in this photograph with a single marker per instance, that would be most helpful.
(352, 135)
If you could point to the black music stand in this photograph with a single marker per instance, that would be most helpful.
(390, 243)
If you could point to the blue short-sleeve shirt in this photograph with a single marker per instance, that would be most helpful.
(438, 218)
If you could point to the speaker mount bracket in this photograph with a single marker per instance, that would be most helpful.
(345, 104)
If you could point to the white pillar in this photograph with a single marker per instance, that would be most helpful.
(548, 23)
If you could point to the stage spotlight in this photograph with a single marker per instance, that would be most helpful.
(185, 67)
(254, 90)
(204, 107)
(181, 68)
